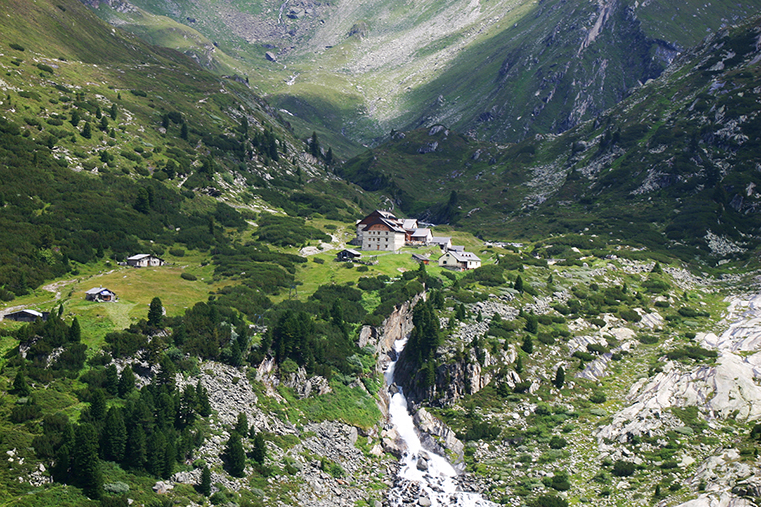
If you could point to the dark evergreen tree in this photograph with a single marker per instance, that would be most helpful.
(460, 313)
(75, 118)
(532, 323)
(85, 463)
(184, 131)
(235, 456)
(97, 405)
(114, 436)
(204, 406)
(155, 313)
(186, 412)
(259, 452)
(113, 112)
(75, 331)
(479, 317)
(142, 203)
(519, 364)
(155, 453)
(205, 487)
(87, 131)
(528, 344)
(241, 425)
(167, 372)
(518, 284)
(170, 458)
(559, 380)
(136, 447)
(314, 145)
(104, 123)
(112, 380)
(126, 381)
(20, 387)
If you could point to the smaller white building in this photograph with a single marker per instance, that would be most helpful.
(144, 261)
(421, 237)
(459, 260)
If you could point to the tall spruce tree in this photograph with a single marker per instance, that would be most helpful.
(205, 487)
(259, 451)
(75, 331)
(235, 456)
(156, 313)
(85, 463)
(114, 436)
(126, 381)
(559, 380)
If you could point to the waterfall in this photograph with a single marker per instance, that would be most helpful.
(423, 475)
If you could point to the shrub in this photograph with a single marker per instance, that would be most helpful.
(598, 397)
(522, 387)
(630, 315)
(647, 339)
(45, 68)
(177, 252)
(623, 468)
(188, 276)
(17, 47)
(557, 442)
(548, 500)
(318, 260)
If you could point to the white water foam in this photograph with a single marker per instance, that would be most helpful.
(437, 481)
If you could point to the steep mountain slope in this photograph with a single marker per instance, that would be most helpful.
(110, 146)
(502, 70)
(677, 157)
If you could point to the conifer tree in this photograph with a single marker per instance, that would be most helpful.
(155, 313)
(314, 145)
(559, 380)
(204, 407)
(519, 364)
(75, 331)
(528, 344)
(75, 118)
(136, 447)
(112, 380)
(97, 405)
(85, 461)
(155, 453)
(126, 381)
(114, 435)
(87, 131)
(20, 387)
(235, 456)
(241, 425)
(259, 452)
(113, 111)
(518, 284)
(532, 323)
(186, 413)
(205, 487)
(184, 131)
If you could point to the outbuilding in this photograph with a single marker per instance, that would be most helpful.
(100, 295)
(348, 255)
(26, 315)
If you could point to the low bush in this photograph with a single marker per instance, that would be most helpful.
(623, 468)
(188, 276)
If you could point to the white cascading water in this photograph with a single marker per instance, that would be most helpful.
(437, 483)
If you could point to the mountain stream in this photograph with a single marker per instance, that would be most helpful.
(423, 475)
